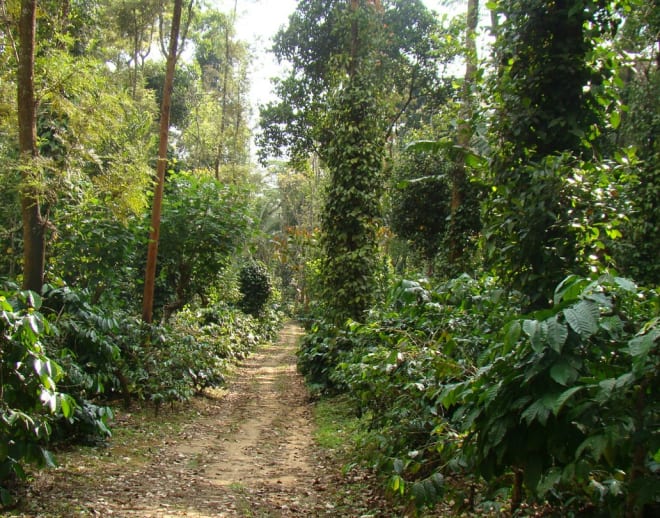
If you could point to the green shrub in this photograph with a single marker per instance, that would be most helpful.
(453, 383)
(319, 355)
(255, 287)
(567, 398)
(393, 366)
(192, 352)
(85, 344)
(30, 401)
(422, 339)
(100, 354)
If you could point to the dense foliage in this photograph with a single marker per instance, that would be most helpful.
(30, 401)
(357, 68)
(350, 215)
(65, 360)
(75, 345)
(452, 381)
(518, 370)
(544, 109)
(255, 287)
(420, 202)
(531, 381)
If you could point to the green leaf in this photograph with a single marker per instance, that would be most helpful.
(563, 372)
(626, 284)
(34, 323)
(496, 432)
(511, 335)
(613, 325)
(534, 330)
(430, 146)
(397, 484)
(615, 119)
(67, 405)
(536, 411)
(474, 160)
(4, 305)
(642, 345)
(596, 444)
(570, 288)
(583, 318)
(419, 493)
(557, 334)
(563, 398)
(606, 387)
(430, 491)
(625, 380)
(549, 481)
(34, 300)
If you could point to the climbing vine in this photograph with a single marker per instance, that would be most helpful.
(350, 217)
(544, 107)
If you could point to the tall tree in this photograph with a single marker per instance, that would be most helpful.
(354, 157)
(90, 137)
(357, 67)
(34, 223)
(544, 109)
(317, 44)
(217, 137)
(152, 252)
(134, 22)
(639, 127)
(459, 228)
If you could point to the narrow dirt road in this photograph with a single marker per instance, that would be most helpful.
(249, 452)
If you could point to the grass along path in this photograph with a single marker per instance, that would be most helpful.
(247, 450)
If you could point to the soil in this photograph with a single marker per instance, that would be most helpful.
(246, 450)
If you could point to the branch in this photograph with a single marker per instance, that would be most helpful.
(186, 27)
(405, 105)
(5, 19)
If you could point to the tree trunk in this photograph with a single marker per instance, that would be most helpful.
(152, 252)
(34, 244)
(517, 489)
(459, 175)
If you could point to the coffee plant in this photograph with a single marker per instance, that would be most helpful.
(30, 401)
(255, 286)
(557, 407)
(566, 400)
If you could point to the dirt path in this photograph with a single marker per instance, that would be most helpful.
(249, 452)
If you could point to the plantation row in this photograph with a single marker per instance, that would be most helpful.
(64, 362)
(464, 398)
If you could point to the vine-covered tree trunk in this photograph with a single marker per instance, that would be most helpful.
(152, 252)
(354, 159)
(34, 245)
(545, 110)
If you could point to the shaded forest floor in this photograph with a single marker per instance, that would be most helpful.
(247, 450)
